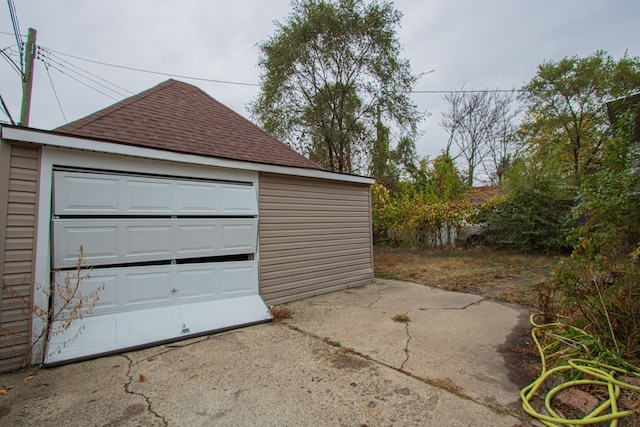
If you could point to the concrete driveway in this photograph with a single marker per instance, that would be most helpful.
(340, 361)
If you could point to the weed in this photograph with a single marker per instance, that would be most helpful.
(67, 305)
(499, 409)
(281, 312)
(386, 275)
(336, 344)
(348, 350)
(446, 384)
(401, 318)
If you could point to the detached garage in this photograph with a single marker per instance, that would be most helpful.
(191, 218)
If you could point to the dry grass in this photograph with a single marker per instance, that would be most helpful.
(499, 275)
(401, 318)
(281, 312)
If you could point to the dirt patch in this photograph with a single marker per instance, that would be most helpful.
(341, 360)
(497, 275)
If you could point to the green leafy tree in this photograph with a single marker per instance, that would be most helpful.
(562, 146)
(600, 280)
(332, 73)
(566, 120)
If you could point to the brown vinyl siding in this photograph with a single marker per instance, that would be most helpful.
(315, 237)
(18, 187)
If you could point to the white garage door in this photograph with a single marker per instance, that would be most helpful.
(172, 258)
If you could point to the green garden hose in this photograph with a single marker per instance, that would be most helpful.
(600, 374)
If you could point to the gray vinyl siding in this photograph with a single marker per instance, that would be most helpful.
(315, 237)
(18, 187)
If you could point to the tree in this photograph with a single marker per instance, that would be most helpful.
(332, 75)
(480, 128)
(566, 120)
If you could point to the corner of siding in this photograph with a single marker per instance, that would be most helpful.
(19, 171)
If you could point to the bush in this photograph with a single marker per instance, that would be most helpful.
(530, 219)
(600, 282)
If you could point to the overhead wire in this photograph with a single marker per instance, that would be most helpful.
(52, 59)
(469, 91)
(83, 83)
(52, 55)
(16, 31)
(11, 62)
(6, 110)
(55, 92)
(182, 76)
(45, 55)
(10, 34)
(156, 72)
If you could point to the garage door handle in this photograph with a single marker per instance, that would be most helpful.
(174, 290)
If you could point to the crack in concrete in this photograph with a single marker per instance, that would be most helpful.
(433, 382)
(135, 393)
(351, 304)
(470, 304)
(406, 347)
(464, 307)
(379, 295)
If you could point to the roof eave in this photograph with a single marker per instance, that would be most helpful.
(56, 139)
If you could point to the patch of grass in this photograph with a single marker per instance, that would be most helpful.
(446, 384)
(499, 409)
(494, 274)
(281, 312)
(348, 350)
(386, 275)
(401, 318)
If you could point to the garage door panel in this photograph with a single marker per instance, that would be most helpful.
(194, 239)
(238, 237)
(146, 241)
(239, 279)
(116, 241)
(147, 288)
(198, 284)
(147, 197)
(104, 287)
(238, 200)
(114, 332)
(197, 198)
(85, 194)
(81, 338)
(81, 193)
(149, 325)
(99, 243)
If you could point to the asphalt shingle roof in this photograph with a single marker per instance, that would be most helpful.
(180, 117)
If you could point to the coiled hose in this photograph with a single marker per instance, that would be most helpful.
(601, 374)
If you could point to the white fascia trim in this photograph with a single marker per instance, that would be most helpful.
(46, 138)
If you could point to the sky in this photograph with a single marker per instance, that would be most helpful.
(468, 44)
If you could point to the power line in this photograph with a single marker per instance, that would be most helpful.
(156, 72)
(6, 110)
(55, 92)
(83, 83)
(11, 62)
(43, 55)
(469, 91)
(51, 55)
(257, 85)
(16, 30)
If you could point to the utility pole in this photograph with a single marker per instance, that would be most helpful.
(27, 77)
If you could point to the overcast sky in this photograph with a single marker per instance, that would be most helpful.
(475, 44)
